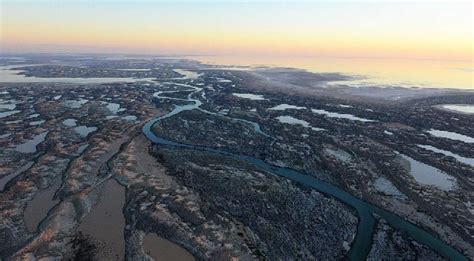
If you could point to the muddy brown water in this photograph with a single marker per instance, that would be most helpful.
(161, 249)
(37, 209)
(105, 223)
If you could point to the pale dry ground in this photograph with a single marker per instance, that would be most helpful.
(135, 165)
(82, 185)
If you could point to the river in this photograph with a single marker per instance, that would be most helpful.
(363, 240)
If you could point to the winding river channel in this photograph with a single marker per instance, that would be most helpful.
(363, 241)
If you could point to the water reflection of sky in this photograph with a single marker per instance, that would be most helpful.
(391, 72)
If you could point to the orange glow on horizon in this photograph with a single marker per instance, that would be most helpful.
(360, 30)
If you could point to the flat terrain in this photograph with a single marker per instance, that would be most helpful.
(170, 159)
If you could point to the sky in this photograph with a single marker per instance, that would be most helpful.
(418, 30)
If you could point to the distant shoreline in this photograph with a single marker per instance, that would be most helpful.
(443, 108)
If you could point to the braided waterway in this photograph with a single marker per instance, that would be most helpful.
(362, 243)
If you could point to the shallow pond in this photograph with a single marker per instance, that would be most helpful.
(187, 74)
(70, 122)
(134, 70)
(35, 115)
(294, 121)
(339, 155)
(130, 118)
(105, 223)
(468, 161)
(451, 135)
(82, 148)
(4, 180)
(8, 113)
(36, 123)
(37, 209)
(462, 108)
(249, 96)
(223, 80)
(6, 135)
(75, 104)
(340, 115)
(7, 106)
(282, 107)
(30, 145)
(428, 175)
(161, 249)
(113, 107)
(84, 130)
(386, 187)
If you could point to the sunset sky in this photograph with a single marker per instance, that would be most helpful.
(349, 29)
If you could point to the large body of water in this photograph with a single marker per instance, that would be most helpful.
(375, 72)
(379, 72)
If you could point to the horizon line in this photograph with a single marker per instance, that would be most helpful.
(235, 55)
